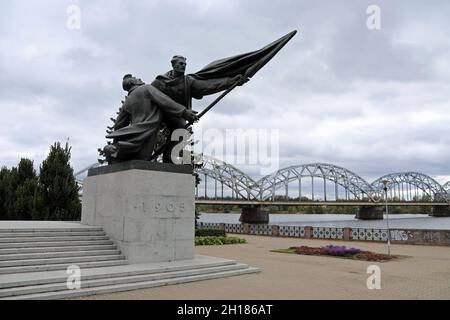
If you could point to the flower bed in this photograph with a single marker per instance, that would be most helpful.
(340, 251)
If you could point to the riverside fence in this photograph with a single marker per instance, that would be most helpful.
(399, 236)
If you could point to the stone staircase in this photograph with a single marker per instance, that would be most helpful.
(31, 250)
(34, 261)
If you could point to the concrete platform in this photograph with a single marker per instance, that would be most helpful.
(423, 274)
(52, 285)
(34, 257)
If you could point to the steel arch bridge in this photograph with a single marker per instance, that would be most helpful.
(350, 181)
(400, 186)
(242, 186)
(446, 187)
(404, 186)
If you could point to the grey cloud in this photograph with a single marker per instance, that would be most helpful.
(338, 92)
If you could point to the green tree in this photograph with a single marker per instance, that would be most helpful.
(4, 177)
(11, 182)
(59, 190)
(26, 198)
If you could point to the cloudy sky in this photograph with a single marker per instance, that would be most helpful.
(372, 101)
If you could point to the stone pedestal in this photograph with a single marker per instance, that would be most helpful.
(370, 213)
(254, 215)
(147, 208)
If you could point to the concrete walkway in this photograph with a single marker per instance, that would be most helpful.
(423, 275)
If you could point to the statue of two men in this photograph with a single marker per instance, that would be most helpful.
(139, 119)
(167, 100)
(182, 88)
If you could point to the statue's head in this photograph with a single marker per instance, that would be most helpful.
(179, 64)
(129, 82)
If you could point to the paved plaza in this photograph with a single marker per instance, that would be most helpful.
(424, 274)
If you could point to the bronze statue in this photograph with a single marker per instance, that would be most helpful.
(182, 88)
(168, 100)
(140, 117)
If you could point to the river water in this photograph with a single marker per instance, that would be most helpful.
(408, 221)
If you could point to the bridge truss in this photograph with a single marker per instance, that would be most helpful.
(410, 186)
(241, 185)
(353, 184)
(339, 183)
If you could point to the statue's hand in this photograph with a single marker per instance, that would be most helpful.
(240, 79)
(190, 115)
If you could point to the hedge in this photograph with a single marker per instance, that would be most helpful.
(208, 241)
(209, 233)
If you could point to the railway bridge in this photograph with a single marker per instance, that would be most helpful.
(315, 184)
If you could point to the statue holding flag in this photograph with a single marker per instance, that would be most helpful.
(177, 90)
(182, 88)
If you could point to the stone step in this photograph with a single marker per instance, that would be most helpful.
(67, 261)
(132, 286)
(60, 276)
(50, 234)
(61, 266)
(81, 229)
(47, 255)
(112, 280)
(54, 238)
(54, 244)
(56, 249)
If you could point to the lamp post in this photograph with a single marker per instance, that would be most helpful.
(385, 188)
